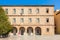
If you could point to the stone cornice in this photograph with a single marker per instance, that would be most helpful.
(29, 15)
(27, 5)
(32, 25)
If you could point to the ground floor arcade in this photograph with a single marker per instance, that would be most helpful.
(33, 30)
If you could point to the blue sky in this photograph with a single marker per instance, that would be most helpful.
(32, 2)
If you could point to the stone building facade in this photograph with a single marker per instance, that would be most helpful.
(31, 19)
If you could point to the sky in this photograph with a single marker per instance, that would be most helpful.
(56, 3)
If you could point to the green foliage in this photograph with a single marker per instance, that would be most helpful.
(5, 25)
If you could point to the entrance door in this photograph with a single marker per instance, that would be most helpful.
(29, 30)
(38, 31)
(14, 30)
(22, 30)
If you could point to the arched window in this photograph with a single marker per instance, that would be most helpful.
(29, 30)
(38, 31)
(22, 30)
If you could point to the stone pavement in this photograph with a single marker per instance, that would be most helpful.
(32, 37)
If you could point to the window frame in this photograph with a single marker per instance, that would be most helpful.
(37, 10)
(6, 10)
(14, 20)
(30, 20)
(47, 10)
(30, 11)
(37, 20)
(47, 20)
(47, 29)
(14, 11)
(22, 11)
(21, 20)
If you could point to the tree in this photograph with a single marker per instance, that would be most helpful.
(5, 26)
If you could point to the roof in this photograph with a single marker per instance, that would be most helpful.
(30, 5)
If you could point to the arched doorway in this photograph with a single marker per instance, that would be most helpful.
(14, 30)
(22, 30)
(29, 30)
(38, 31)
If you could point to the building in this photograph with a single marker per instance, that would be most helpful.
(31, 19)
(57, 21)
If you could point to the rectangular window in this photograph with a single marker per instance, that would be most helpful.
(47, 20)
(38, 20)
(22, 11)
(30, 20)
(21, 19)
(47, 10)
(6, 11)
(37, 10)
(47, 29)
(14, 20)
(30, 11)
(14, 11)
